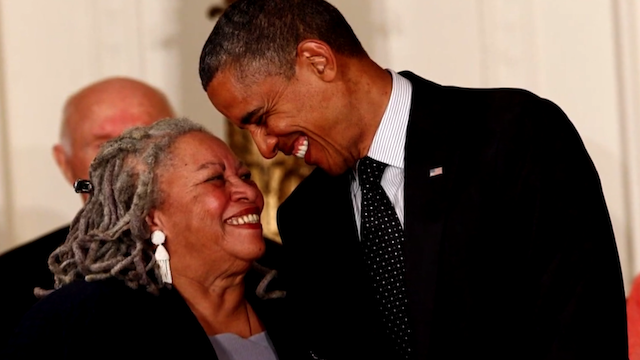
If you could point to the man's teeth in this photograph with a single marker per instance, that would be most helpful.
(302, 149)
(244, 219)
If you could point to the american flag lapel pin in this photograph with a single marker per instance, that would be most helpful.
(435, 171)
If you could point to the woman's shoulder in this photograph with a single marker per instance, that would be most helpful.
(90, 289)
(81, 296)
(80, 317)
(98, 304)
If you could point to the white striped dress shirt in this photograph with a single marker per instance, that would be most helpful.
(388, 147)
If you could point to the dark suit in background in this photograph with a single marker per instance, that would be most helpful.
(25, 268)
(510, 252)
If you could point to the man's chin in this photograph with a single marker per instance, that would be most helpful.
(333, 169)
(334, 173)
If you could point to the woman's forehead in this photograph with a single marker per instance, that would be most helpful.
(203, 151)
(196, 142)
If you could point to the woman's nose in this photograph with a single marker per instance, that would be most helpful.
(245, 190)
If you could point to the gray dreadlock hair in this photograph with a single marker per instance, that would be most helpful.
(109, 237)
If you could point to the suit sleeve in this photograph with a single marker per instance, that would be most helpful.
(580, 310)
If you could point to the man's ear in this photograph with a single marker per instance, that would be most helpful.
(318, 56)
(60, 155)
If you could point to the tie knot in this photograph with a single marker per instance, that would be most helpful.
(370, 171)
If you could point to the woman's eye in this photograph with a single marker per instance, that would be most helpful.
(246, 176)
(216, 178)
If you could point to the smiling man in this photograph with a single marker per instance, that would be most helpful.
(441, 222)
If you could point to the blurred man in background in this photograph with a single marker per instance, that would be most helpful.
(93, 115)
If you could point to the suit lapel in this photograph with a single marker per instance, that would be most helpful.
(343, 320)
(340, 243)
(356, 304)
(426, 177)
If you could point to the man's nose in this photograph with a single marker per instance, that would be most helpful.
(267, 144)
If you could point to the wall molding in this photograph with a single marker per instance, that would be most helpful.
(627, 35)
(6, 215)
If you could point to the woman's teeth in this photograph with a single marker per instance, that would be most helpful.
(244, 219)
(302, 149)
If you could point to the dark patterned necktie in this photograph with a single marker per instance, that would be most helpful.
(381, 238)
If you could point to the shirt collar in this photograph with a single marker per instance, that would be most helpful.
(388, 143)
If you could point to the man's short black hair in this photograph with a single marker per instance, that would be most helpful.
(260, 37)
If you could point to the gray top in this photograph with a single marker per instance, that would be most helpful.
(233, 347)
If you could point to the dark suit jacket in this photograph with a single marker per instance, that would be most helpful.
(509, 252)
(108, 320)
(25, 268)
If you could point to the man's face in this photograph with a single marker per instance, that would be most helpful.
(92, 121)
(304, 116)
(96, 128)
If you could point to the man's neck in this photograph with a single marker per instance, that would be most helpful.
(371, 88)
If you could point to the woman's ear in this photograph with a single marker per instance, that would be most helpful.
(154, 220)
(317, 56)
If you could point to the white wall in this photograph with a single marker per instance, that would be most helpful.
(580, 54)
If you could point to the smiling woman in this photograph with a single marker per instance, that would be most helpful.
(181, 186)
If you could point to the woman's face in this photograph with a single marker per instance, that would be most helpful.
(209, 209)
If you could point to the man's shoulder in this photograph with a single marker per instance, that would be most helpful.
(430, 88)
(314, 189)
(471, 111)
(272, 257)
(36, 249)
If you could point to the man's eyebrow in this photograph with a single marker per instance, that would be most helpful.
(246, 120)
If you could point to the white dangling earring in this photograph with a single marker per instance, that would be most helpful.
(161, 255)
